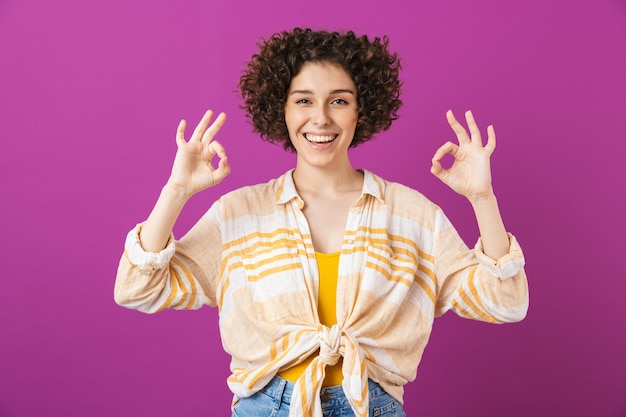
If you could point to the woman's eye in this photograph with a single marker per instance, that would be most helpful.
(303, 101)
(339, 101)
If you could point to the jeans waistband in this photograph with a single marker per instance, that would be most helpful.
(280, 389)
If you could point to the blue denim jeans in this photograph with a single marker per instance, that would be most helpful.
(274, 399)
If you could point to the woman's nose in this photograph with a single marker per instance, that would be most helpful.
(321, 116)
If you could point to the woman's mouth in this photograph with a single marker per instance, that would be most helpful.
(319, 138)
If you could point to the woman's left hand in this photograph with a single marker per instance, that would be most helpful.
(470, 174)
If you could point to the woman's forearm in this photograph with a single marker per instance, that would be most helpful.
(158, 227)
(492, 231)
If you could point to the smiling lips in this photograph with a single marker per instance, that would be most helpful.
(319, 138)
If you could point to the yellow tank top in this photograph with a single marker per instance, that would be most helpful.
(328, 266)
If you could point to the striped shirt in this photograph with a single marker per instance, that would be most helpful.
(401, 264)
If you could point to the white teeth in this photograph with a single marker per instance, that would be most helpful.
(319, 138)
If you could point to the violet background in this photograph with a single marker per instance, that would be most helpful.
(90, 97)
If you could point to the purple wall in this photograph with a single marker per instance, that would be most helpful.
(90, 97)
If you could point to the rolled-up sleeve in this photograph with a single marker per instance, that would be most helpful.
(182, 276)
(147, 261)
(508, 265)
(476, 286)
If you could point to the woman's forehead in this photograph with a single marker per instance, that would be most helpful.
(323, 75)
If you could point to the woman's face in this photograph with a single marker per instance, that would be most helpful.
(321, 114)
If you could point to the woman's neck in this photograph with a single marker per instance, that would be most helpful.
(339, 180)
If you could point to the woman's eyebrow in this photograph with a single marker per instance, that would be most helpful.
(338, 91)
(343, 91)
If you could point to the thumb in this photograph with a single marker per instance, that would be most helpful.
(180, 132)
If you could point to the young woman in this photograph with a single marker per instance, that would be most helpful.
(328, 278)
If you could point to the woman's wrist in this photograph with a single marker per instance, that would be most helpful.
(487, 198)
(175, 192)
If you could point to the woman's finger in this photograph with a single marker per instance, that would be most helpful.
(223, 168)
(216, 148)
(211, 150)
(458, 129)
(446, 148)
(438, 171)
(217, 124)
(473, 128)
(201, 127)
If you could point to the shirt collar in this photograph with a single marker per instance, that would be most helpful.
(286, 188)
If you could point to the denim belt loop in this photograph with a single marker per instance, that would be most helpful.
(280, 390)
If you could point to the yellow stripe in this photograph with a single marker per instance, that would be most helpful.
(174, 283)
(267, 272)
(223, 290)
(364, 393)
(426, 256)
(262, 236)
(426, 289)
(304, 396)
(384, 243)
(387, 275)
(252, 277)
(181, 284)
(380, 188)
(281, 186)
(395, 249)
(261, 372)
(225, 283)
(392, 278)
(383, 260)
(477, 310)
(278, 258)
(461, 309)
(194, 290)
(474, 291)
(366, 235)
(230, 251)
(472, 286)
(420, 266)
(274, 347)
(429, 273)
(273, 350)
(270, 245)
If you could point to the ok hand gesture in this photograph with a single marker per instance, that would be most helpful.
(193, 170)
(470, 174)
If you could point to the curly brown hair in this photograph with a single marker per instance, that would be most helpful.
(374, 69)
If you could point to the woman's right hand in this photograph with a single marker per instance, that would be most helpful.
(193, 170)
